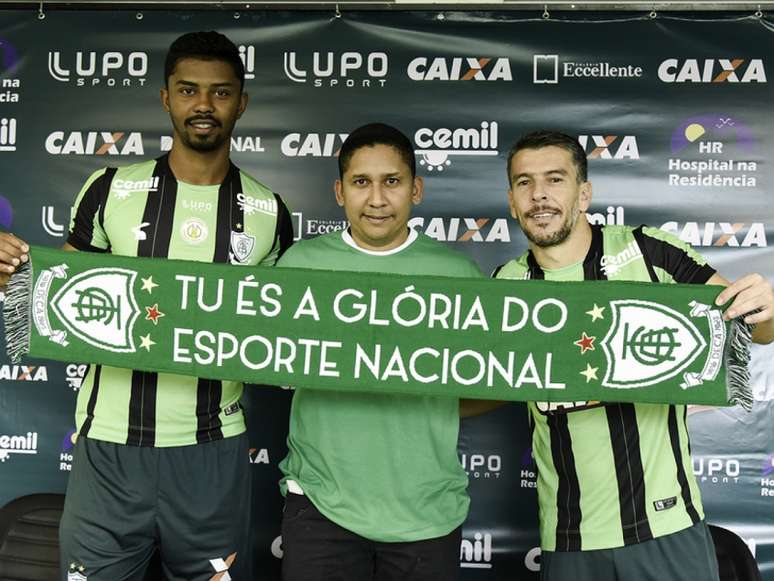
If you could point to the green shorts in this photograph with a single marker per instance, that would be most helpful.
(123, 503)
(687, 555)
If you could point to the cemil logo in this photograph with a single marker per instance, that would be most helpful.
(97, 306)
(122, 189)
(110, 69)
(18, 444)
(476, 553)
(312, 144)
(712, 71)
(347, 70)
(614, 215)
(612, 263)
(463, 229)
(7, 134)
(435, 146)
(460, 69)
(94, 143)
(609, 146)
(75, 374)
(247, 54)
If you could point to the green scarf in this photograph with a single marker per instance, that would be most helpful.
(473, 338)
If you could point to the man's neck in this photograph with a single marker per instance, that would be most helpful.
(572, 250)
(201, 168)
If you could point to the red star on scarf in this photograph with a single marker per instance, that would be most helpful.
(154, 314)
(586, 343)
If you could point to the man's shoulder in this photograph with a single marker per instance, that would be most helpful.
(432, 249)
(514, 268)
(312, 252)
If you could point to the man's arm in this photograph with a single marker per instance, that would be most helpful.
(749, 293)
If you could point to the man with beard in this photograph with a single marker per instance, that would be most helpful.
(161, 460)
(617, 495)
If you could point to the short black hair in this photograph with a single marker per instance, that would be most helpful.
(545, 138)
(377, 134)
(206, 45)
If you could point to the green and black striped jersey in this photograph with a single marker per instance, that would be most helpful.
(610, 474)
(143, 210)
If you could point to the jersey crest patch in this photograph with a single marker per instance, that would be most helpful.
(648, 343)
(242, 246)
(194, 231)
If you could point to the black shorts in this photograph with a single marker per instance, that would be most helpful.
(123, 503)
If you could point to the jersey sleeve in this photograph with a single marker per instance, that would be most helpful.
(87, 215)
(674, 260)
(283, 234)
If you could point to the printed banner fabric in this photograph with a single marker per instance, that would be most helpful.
(474, 338)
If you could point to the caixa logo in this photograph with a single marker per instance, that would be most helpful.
(312, 144)
(460, 69)
(610, 146)
(94, 143)
(732, 234)
(463, 229)
(89, 69)
(329, 69)
(481, 465)
(712, 71)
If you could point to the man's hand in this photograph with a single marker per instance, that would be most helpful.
(13, 252)
(749, 293)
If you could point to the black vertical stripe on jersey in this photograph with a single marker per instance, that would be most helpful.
(92, 404)
(568, 515)
(91, 206)
(230, 218)
(535, 271)
(142, 409)
(625, 439)
(682, 479)
(592, 263)
(283, 231)
(639, 236)
(674, 260)
(159, 212)
(208, 424)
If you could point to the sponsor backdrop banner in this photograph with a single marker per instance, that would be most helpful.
(675, 114)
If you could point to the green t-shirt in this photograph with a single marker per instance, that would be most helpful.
(142, 210)
(611, 475)
(380, 465)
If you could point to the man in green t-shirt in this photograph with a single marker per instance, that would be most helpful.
(161, 461)
(618, 499)
(374, 488)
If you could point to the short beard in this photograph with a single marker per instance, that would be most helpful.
(560, 235)
(202, 145)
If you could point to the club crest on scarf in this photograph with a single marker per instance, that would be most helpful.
(647, 343)
(97, 306)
